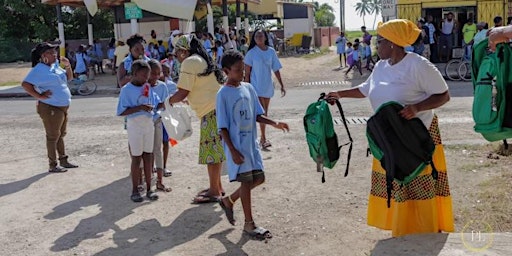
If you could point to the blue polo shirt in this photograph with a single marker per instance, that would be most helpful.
(52, 78)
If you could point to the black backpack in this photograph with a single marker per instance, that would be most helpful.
(403, 147)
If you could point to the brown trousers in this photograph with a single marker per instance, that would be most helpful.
(55, 120)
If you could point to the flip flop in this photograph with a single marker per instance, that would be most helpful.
(228, 212)
(167, 173)
(151, 195)
(135, 197)
(204, 199)
(259, 233)
(204, 192)
(163, 188)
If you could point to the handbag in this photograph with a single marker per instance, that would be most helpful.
(177, 120)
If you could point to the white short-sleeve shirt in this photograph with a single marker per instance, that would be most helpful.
(409, 81)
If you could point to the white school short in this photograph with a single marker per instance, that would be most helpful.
(140, 134)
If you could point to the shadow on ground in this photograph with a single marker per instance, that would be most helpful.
(147, 237)
(17, 186)
(421, 244)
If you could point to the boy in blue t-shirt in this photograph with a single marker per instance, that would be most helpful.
(160, 88)
(137, 102)
(238, 110)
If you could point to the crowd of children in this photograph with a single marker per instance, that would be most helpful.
(353, 55)
(148, 82)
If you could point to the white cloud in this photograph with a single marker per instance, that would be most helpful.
(352, 20)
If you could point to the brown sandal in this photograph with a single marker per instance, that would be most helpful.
(163, 188)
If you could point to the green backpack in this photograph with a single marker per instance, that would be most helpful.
(492, 91)
(321, 137)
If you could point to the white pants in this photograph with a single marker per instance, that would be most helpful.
(140, 134)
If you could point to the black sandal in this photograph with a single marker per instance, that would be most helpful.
(58, 169)
(152, 196)
(136, 197)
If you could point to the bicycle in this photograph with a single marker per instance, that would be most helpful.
(83, 86)
(458, 69)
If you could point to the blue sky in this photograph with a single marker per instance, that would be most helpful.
(353, 21)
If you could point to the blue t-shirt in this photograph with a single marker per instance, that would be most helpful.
(161, 90)
(98, 51)
(236, 110)
(172, 88)
(132, 96)
(341, 41)
(81, 62)
(367, 51)
(355, 55)
(262, 63)
(52, 78)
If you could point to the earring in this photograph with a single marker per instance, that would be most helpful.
(45, 60)
(391, 46)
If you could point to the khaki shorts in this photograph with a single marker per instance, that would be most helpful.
(140, 134)
(250, 176)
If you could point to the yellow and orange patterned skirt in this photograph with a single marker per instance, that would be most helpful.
(422, 206)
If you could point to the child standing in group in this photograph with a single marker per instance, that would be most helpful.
(243, 46)
(340, 48)
(137, 101)
(219, 53)
(368, 56)
(160, 88)
(356, 60)
(171, 89)
(238, 110)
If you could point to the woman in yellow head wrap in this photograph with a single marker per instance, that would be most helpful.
(424, 205)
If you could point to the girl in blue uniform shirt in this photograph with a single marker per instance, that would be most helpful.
(238, 110)
(260, 61)
(137, 101)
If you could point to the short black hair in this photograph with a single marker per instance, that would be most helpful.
(497, 19)
(154, 64)
(229, 58)
(139, 65)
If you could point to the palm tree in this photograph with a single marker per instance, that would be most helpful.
(376, 9)
(363, 8)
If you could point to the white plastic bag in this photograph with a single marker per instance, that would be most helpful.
(177, 120)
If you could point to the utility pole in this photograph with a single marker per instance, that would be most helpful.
(342, 15)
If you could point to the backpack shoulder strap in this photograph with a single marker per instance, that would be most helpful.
(338, 104)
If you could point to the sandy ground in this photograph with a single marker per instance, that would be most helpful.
(87, 211)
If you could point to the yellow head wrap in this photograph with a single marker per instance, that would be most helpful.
(399, 31)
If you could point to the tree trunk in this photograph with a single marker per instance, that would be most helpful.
(374, 20)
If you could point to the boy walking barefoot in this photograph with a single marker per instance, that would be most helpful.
(238, 110)
(137, 101)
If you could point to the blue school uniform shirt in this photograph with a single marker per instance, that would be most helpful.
(161, 91)
(236, 110)
(262, 63)
(172, 88)
(52, 78)
(81, 62)
(367, 51)
(132, 96)
(341, 41)
(355, 55)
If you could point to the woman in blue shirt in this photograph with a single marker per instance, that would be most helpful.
(136, 52)
(261, 60)
(47, 82)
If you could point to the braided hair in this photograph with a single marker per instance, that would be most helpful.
(196, 47)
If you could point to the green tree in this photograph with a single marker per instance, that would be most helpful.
(376, 8)
(324, 15)
(363, 8)
(75, 23)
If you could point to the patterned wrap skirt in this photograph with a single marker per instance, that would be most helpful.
(422, 206)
